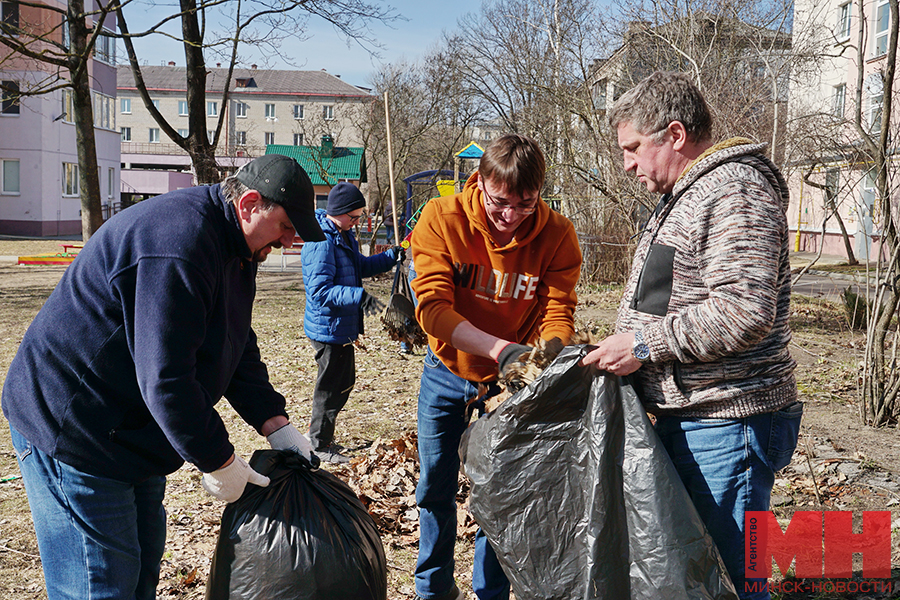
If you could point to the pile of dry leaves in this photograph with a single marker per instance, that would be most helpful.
(385, 480)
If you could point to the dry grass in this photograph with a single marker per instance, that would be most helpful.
(383, 405)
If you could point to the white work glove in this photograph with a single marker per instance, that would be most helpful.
(228, 483)
(288, 438)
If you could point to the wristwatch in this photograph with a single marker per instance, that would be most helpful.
(640, 350)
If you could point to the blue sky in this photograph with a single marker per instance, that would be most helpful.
(325, 49)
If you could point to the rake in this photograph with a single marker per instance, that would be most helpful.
(399, 318)
(400, 315)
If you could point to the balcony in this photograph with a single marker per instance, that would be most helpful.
(148, 148)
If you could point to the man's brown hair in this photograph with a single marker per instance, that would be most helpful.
(516, 162)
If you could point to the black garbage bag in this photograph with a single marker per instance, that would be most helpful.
(580, 500)
(304, 537)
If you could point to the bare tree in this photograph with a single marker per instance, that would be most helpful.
(881, 376)
(277, 19)
(431, 119)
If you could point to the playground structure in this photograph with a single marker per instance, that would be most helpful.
(420, 188)
(445, 181)
(70, 251)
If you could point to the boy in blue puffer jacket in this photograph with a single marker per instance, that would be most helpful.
(335, 302)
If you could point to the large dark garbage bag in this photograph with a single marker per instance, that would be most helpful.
(304, 537)
(580, 500)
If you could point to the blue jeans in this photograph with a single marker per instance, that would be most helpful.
(441, 423)
(98, 537)
(728, 467)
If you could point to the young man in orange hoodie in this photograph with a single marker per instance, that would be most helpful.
(496, 269)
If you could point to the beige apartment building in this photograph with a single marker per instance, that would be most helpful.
(265, 108)
(837, 175)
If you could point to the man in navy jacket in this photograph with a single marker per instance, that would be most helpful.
(333, 270)
(115, 382)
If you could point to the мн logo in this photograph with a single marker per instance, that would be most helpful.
(823, 544)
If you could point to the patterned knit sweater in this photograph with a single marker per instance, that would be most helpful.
(719, 341)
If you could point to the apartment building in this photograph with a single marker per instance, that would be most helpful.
(835, 173)
(39, 183)
(265, 108)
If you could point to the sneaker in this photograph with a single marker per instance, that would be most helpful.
(332, 454)
(453, 594)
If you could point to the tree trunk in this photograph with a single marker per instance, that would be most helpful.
(848, 246)
(88, 176)
(201, 151)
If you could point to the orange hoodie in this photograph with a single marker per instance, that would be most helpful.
(517, 292)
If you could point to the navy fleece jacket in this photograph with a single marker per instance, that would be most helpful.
(119, 373)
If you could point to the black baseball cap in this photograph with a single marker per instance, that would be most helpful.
(282, 180)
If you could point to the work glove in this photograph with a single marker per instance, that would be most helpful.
(399, 253)
(555, 346)
(288, 438)
(228, 483)
(510, 355)
(370, 304)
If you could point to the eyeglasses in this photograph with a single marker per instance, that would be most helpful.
(354, 219)
(522, 210)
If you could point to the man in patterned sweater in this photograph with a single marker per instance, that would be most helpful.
(703, 324)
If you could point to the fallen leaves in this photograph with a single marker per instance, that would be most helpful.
(385, 480)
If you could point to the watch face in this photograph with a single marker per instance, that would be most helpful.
(641, 352)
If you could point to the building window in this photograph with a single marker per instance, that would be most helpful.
(70, 179)
(125, 106)
(183, 133)
(9, 92)
(328, 112)
(68, 108)
(298, 139)
(104, 111)
(882, 24)
(240, 138)
(212, 109)
(210, 134)
(270, 111)
(600, 94)
(9, 18)
(270, 137)
(832, 183)
(298, 111)
(240, 109)
(874, 88)
(9, 184)
(182, 108)
(110, 189)
(842, 30)
(154, 135)
(126, 134)
(155, 104)
(105, 47)
(839, 100)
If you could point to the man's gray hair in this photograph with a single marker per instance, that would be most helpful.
(232, 189)
(661, 98)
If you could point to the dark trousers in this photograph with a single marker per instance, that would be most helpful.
(337, 374)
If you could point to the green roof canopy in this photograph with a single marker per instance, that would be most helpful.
(326, 164)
